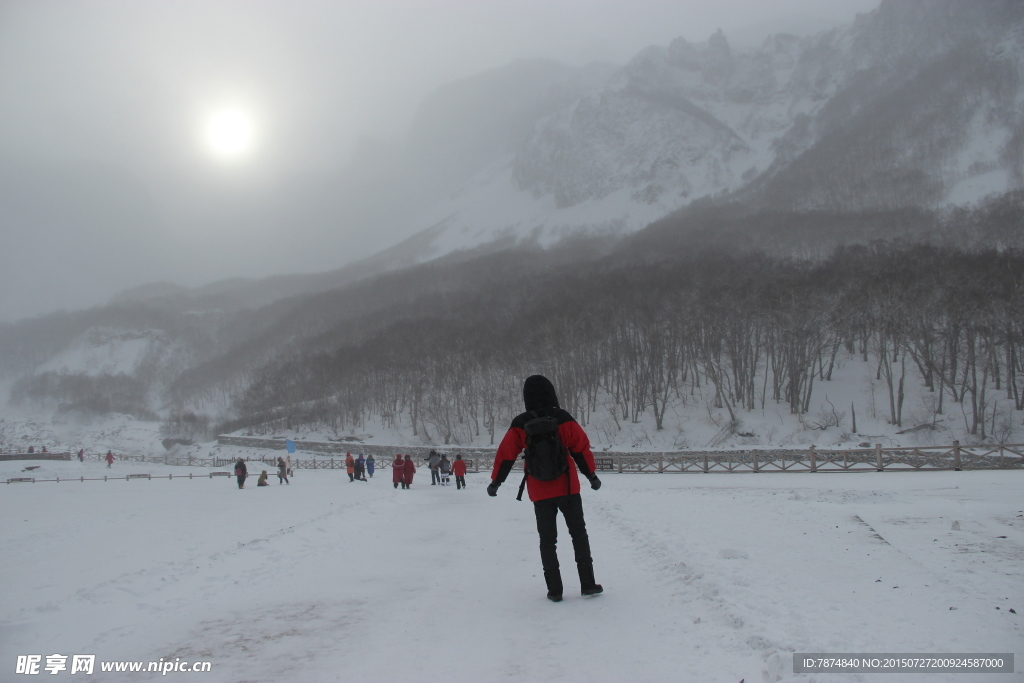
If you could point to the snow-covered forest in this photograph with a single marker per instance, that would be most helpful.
(737, 331)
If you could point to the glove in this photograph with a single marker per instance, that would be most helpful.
(595, 483)
(492, 488)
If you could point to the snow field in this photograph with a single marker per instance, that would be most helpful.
(708, 577)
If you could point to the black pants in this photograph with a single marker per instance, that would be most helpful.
(547, 511)
(241, 480)
(460, 482)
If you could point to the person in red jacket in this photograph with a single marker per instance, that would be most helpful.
(350, 467)
(558, 495)
(459, 470)
(109, 458)
(409, 467)
(398, 472)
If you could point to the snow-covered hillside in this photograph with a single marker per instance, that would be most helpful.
(104, 352)
(689, 120)
(853, 395)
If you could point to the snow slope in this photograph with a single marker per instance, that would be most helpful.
(102, 352)
(699, 119)
(707, 577)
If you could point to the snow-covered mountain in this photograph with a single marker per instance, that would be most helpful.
(918, 103)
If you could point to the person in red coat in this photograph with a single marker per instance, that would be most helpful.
(409, 467)
(109, 458)
(459, 470)
(558, 495)
(350, 467)
(398, 472)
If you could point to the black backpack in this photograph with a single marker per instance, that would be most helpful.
(544, 454)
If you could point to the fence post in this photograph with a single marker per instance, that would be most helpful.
(661, 463)
(705, 463)
(757, 466)
(1002, 462)
(618, 457)
(878, 458)
(814, 458)
(956, 456)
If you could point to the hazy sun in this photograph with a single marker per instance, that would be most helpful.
(229, 133)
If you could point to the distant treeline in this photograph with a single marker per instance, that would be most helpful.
(743, 329)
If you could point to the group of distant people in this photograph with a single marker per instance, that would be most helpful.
(441, 470)
(284, 470)
(109, 457)
(403, 470)
(358, 468)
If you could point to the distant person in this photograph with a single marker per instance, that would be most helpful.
(557, 446)
(81, 455)
(288, 462)
(262, 481)
(241, 471)
(44, 450)
(109, 459)
(31, 449)
(445, 468)
(282, 472)
(433, 461)
(361, 468)
(459, 470)
(370, 463)
(350, 467)
(398, 471)
(409, 471)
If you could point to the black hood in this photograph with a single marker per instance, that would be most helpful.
(539, 393)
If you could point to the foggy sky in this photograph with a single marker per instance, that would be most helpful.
(104, 182)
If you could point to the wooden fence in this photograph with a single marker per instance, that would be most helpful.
(34, 456)
(811, 459)
(127, 477)
(894, 459)
(878, 459)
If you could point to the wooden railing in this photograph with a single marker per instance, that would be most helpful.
(34, 456)
(811, 459)
(879, 459)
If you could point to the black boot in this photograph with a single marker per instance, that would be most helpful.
(554, 582)
(587, 584)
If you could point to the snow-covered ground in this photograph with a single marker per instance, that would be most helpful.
(707, 577)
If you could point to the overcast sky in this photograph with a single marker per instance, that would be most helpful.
(111, 175)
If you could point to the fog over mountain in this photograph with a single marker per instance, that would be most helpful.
(108, 180)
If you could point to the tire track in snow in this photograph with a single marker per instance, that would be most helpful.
(171, 572)
(688, 586)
